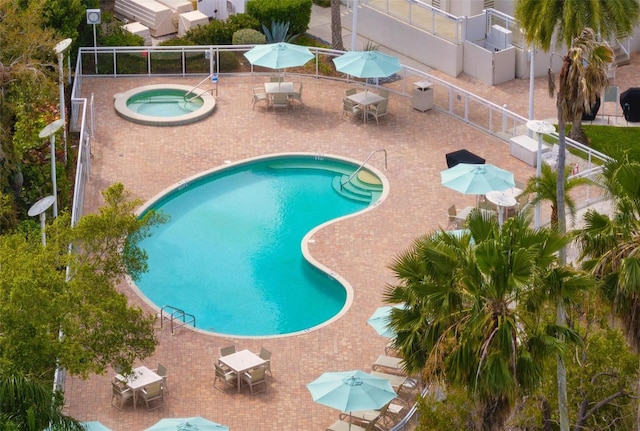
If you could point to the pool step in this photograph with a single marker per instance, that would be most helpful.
(322, 165)
(356, 189)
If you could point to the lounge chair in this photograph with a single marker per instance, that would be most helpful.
(228, 378)
(378, 111)
(391, 363)
(342, 425)
(256, 377)
(395, 380)
(365, 416)
(120, 394)
(551, 157)
(153, 394)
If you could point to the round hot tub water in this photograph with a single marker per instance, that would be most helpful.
(164, 104)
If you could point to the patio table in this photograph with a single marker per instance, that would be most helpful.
(503, 199)
(138, 379)
(279, 87)
(365, 99)
(242, 361)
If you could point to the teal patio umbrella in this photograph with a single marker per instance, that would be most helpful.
(350, 391)
(187, 424)
(95, 426)
(278, 55)
(379, 320)
(475, 179)
(367, 64)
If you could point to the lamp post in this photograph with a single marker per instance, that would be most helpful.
(354, 26)
(50, 132)
(540, 127)
(39, 209)
(532, 73)
(60, 48)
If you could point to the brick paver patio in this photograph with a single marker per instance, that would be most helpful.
(149, 159)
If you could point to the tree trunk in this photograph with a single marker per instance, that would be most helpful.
(563, 409)
(336, 26)
(577, 132)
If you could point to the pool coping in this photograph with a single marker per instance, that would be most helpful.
(304, 243)
(120, 105)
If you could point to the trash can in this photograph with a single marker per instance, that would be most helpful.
(422, 96)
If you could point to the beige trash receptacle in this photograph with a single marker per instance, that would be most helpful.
(422, 96)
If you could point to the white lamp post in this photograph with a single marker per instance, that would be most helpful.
(39, 209)
(354, 26)
(541, 128)
(60, 48)
(49, 132)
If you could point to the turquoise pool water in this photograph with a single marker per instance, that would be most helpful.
(164, 102)
(231, 252)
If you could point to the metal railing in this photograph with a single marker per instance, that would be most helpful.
(348, 180)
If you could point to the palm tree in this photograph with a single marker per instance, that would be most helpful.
(336, 26)
(541, 19)
(27, 405)
(611, 247)
(545, 189)
(473, 310)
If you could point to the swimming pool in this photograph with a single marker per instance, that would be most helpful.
(232, 252)
(164, 104)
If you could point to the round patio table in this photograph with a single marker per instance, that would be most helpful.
(502, 200)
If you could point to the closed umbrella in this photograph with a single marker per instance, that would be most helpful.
(367, 64)
(350, 391)
(278, 55)
(474, 179)
(187, 424)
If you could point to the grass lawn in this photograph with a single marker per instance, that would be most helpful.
(612, 140)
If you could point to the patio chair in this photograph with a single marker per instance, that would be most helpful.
(296, 98)
(351, 109)
(391, 363)
(256, 377)
(162, 372)
(364, 416)
(224, 351)
(351, 91)
(275, 79)
(153, 395)
(551, 157)
(453, 221)
(342, 425)
(378, 111)
(228, 378)
(395, 380)
(259, 96)
(383, 92)
(266, 355)
(120, 394)
(280, 101)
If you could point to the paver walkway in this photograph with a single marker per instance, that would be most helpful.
(148, 159)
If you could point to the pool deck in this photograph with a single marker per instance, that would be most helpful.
(148, 159)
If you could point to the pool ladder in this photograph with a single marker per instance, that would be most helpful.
(173, 315)
(196, 95)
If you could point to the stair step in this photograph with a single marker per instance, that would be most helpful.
(296, 164)
(369, 178)
(362, 185)
(350, 191)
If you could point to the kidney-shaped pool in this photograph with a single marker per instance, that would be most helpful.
(231, 253)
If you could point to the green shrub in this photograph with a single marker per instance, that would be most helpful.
(296, 12)
(214, 33)
(229, 61)
(322, 3)
(248, 36)
(242, 20)
(178, 41)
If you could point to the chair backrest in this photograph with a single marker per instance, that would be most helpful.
(381, 107)
(280, 99)
(227, 350)
(452, 211)
(219, 371)
(347, 104)
(161, 370)
(555, 150)
(265, 354)
(351, 91)
(384, 93)
(117, 388)
(154, 389)
(274, 79)
(257, 374)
